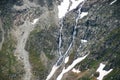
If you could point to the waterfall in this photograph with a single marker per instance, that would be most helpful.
(62, 56)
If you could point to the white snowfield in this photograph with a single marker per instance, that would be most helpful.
(76, 70)
(54, 68)
(76, 61)
(67, 5)
(63, 8)
(113, 2)
(102, 72)
(75, 3)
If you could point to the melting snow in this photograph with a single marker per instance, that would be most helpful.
(66, 59)
(75, 70)
(102, 72)
(63, 8)
(67, 6)
(75, 3)
(83, 14)
(35, 21)
(52, 72)
(76, 61)
(113, 2)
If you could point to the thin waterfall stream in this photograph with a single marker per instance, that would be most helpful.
(62, 56)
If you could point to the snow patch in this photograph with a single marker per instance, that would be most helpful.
(113, 2)
(76, 61)
(35, 21)
(67, 5)
(75, 3)
(54, 68)
(63, 8)
(66, 59)
(83, 41)
(75, 70)
(83, 14)
(102, 72)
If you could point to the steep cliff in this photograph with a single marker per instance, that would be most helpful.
(43, 40)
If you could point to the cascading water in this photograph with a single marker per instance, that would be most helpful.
(64, 55)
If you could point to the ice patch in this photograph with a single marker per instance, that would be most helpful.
(76, 61)
(75, 70)
(113, 2)
(66, 59)
(35, 21)
(102, 72)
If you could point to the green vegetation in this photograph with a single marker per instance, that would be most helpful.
(110, 53)
(39, 70)
(7, 23)
(40, 42)
(113, 41)
(84, 78)
(50, 56)
(114, 75)
(10, 68)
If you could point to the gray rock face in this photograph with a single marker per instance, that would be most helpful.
(20, 23)
(32, 41)
(96, 28)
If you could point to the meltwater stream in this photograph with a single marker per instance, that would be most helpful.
(62, 57)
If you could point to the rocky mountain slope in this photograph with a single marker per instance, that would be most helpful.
(59, 40)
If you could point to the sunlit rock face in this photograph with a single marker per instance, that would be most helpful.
(59, 39)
